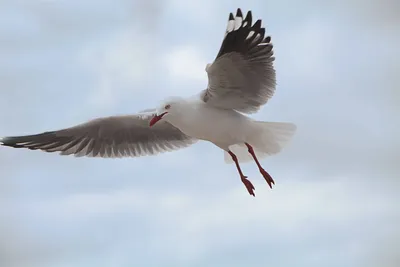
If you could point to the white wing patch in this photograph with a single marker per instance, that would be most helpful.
(231, 26)
(250, 35)
(238, 23)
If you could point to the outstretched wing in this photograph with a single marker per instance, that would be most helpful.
(242, 76)
(110, 137)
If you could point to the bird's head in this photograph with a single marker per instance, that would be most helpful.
(166, 109)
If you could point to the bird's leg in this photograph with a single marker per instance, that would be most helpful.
(265, 174)
(247, 183)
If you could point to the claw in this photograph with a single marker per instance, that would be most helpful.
(267, 177)
(249, 186)
(247, 183)
(265, 174)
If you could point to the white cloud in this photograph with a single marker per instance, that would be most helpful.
(304, 53)
(379, 15)
(120, 62)
(186, 62)
(197, 12)
(291, 211)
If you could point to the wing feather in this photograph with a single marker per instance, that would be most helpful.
(242, 76)
(110, 137)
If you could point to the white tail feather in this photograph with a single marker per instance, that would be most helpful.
(273, 136)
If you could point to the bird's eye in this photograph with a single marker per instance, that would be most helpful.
(167, 106)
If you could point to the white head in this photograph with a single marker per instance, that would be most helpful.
(168, 107)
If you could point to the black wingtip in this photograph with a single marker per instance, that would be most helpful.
(249, 15)
(257, 24)
(6, 141)
(246, 38)
(248, 18)
(239, 13)
(262, 32)
(3, 141)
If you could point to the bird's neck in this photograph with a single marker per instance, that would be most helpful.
(182, 115)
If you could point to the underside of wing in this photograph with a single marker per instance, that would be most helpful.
(242, 76)
(110, 137)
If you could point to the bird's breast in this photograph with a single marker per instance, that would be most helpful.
(217, 126)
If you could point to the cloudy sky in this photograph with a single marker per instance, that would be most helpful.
(336, 197)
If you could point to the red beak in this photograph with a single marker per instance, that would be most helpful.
(156, 118)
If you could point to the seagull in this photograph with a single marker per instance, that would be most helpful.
(241, 79)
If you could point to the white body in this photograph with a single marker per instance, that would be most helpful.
(228, 129)
(221, 127)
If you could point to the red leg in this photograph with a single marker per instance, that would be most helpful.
(266, 175)
(247, 183)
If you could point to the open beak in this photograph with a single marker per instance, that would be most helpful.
(156, 118)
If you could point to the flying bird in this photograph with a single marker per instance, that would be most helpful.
(240, 80)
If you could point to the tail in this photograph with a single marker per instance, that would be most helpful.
(270, 140)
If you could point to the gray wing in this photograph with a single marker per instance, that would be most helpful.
(242, 76)
(111, 137)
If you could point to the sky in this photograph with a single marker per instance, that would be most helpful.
(335, 202)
